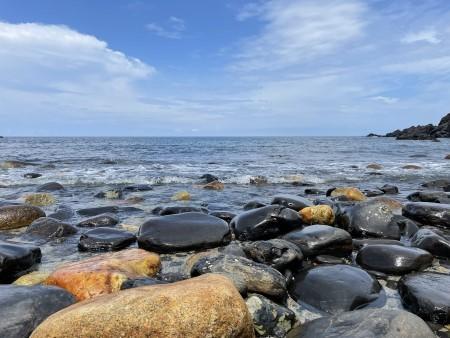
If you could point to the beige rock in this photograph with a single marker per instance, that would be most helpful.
(215, 185)
(32, 278)
(40, 199)
(317, 214)
(104, 273)
(412, 167)
(181, 196)
(18, 216)
(205, 306)
(351, 193)
(374, 166)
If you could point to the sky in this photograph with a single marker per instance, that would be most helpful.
(222, 68)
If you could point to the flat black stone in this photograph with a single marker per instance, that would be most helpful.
(432, 242)
(138, 187)
(103, 220)
(180, 209)
(292, 201)
(105, 239)
(277, 253)
(225, 215)
(143, 281)
(253, 205)
(32, 175)
(98, 211)
(47, 227)
(62, 212)
(16, 259)
(428, 213)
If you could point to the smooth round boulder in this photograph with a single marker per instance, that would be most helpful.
(180, 210)
(15, 259)
(358, 243)
(225, 215)
(98, 211)
(102, 220)
(23, 308)
(253, 205)
(393, 259)
(51, 186)
(373, 323)
(427, 295)
(334, 288)
(321, 239)
(18, 216)
(436, 184)
(432, 242)
(105, 239)
(207, 305)
(291, 201)
(49, 228)
(277, 253)
(265, 222)
(429, 196)
(183, 232)
(428, 213)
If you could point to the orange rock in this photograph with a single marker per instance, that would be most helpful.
(214, 185)
(351, 193)
(205, 306)
(104, 273)
(317, 214)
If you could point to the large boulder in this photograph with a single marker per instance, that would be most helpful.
(393, 259)
(432, 242)
(247, 276)
(428, 213)
(23, 308)
(15, 259)
(265, 222)
(427, 295)
(49, 228)
(17, 216)
(334, 288)
(203, 306)
(321, 239)
(373, 323)
(105, 239)
(104, 273)
(292, 201)
(183, 232)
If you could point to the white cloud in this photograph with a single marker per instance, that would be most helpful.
(385, 99)
(176, 27)
(297, 31)
(425, 66)
(430, 36)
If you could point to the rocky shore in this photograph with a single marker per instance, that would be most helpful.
(426, 132)
(338, 263)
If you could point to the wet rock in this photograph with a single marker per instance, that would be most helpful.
(207, 305)
(374, 323)
(14, 164)
(180, 210)
(39, 199)
(373, 193)
(292, 201)
(138, 187)
(258, 180)
(352, 194)
(393, 259)
(103, 220)
(432, 242)
(359, 243)
(105, 239)
(334, 288)
(427, 295)
(447, 157)
(265, 222)
(23, 308)
(32, 278)
(51, 186)
(412, 167)
(429, 196)
(17, 216)
(436, 184)
(225, 215)
(104, 273)
(269, 318)
(183, 232)
(318, 214)
(253, 205)
(247, 276)
(32, 175)
(49, 228)
(374, 166)
(98, 211)
(321, 240)
(62, 212)
(428, 213)
(389, 189)
(233, 249)
(328, 259)
(181, 196)
(277, 253)
(111, 194)
(313, 191)
(142, 281)
(135, 199)
(215, 185)
(208, 178)
(15, 259)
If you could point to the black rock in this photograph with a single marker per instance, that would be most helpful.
(335, 288)
(265, 222)
(233, 249)
(225, 215)
(393, 259)
(23, 308)
(436, 184)
(142, 281)
(110, 194)
(46, 227)
(277, 253)
(51, 186)
(16, 259)
(313, 191)
(427, 295)
(292, 201)
(373, 193)
(32, 175)
(105, 239)
(328, 259)
(62, 212)
(253, 205)
(247, 275)
(358, 243)
(138, 187)
(103, 220)
(389, 189)
(258, 180)
(432, 242)
(183, 232)
(428, 213)
(373, 323)
(98, 211)
(320, 239)
(208, 178)
(429, 196)
(180, 210)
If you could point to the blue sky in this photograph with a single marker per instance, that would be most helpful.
(204, 67)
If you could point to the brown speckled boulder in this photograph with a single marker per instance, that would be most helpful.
(18, 216)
